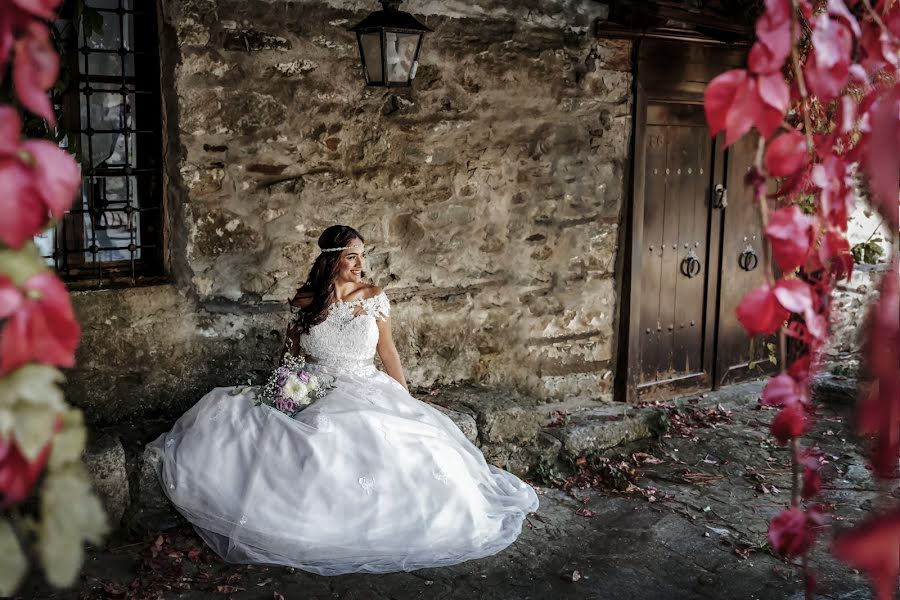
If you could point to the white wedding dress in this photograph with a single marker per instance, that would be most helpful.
(366, 479)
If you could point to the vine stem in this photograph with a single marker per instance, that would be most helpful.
(801, 82)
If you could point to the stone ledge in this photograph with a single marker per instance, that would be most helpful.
(603, 428)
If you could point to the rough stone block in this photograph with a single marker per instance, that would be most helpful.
(599, 429)
(104, 459)
(150, 493)
(521, 460)
(502, 414)
(464, 421)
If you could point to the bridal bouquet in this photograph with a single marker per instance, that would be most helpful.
(291, 388)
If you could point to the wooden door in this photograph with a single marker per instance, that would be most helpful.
(675, 249)
(683, 274)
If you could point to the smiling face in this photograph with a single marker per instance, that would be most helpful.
(352, 262)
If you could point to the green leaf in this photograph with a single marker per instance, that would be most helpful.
(13, 563)
(71, 513)
(32, 428)
(36, 384)
(69, 443)
(21, 264)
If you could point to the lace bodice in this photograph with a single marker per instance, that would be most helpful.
(347, 338)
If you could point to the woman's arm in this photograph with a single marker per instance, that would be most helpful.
(388, 352)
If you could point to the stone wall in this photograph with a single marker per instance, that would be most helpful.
(490, 196)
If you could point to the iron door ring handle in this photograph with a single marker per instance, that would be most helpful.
(748, 260)
(690, 266)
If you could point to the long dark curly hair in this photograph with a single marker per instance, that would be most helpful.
(319, 284)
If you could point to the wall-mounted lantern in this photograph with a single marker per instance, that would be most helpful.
(389, 42)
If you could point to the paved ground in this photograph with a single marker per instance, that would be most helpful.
(689, 522)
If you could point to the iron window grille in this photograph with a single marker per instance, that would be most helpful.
(111, 121)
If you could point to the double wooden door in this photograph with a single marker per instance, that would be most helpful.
(695, 248)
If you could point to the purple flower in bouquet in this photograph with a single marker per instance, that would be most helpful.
(290, 388)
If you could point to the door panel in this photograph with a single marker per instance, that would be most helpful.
(674, 248)
(740, 233)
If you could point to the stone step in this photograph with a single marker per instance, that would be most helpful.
(596, 429)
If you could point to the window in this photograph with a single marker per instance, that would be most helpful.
(111, 121)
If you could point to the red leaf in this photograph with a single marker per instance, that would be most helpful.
(56, 175)
(791, 532)
(43, 328)
(719, 96)
(834, 251)
(35, 69)
(881, 157)
(760, 313)
(836, 200)
(812, 481)
(789, 423)
(879, 410)
(17, 475)
(879, 47)
(24, 213)
(798, 297)
(44, 9)
(827, 67)
(786, 154)
(874, 547)
(10, 130)
(799, 369)
(773, 34)
(783, 390)
(791, 234)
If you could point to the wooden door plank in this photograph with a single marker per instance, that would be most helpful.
(651, 255)
(677, 148)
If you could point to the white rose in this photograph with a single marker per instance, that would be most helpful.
(313, 382)
(295, 390)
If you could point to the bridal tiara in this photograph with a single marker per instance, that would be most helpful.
(333, 249)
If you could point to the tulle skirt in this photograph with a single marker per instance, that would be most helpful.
(366, 479)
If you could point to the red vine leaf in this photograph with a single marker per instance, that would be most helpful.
(827, 67)
(881, 156)
(789, 423)
(773, 38)
(834, 251)
(35, 69)
(786, 154)
(792, 532)
(41, 324)
(879, 410)
(791, 234)
(784, 390)
(760, 312)
(874, 547)
(735, 101)
(17, 475)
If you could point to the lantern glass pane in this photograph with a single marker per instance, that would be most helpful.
(371, 50)
(400, 50)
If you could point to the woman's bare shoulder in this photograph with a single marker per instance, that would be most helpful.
(364, 293)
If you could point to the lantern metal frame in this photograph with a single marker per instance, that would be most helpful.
(389, 20)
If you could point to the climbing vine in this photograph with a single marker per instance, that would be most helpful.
(47, 508)
(822, 92)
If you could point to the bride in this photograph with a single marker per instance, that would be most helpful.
(366, 479)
